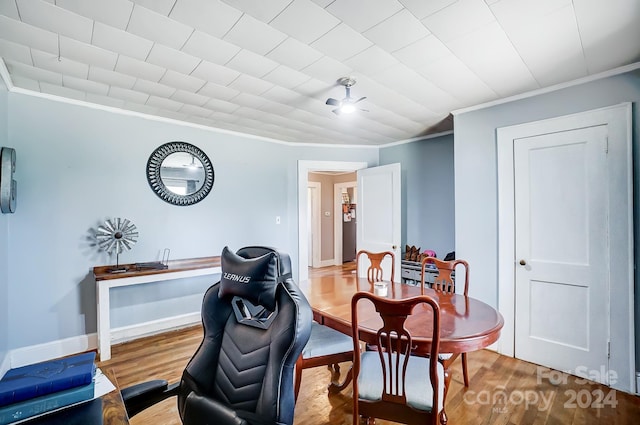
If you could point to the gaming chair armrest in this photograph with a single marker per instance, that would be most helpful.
(140, 396)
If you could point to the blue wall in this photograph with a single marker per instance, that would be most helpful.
(79, 166)
(4, 246)
(427, 192)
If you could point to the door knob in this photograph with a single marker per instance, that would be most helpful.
(394, 247)
(523, 263)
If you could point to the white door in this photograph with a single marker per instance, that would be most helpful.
(561, 250)
(379, 213)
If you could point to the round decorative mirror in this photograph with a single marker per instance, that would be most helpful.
(180, 173)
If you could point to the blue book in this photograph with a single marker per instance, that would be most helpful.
(47, 377)
(46, 403)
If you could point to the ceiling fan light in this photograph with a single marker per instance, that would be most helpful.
(347, 108)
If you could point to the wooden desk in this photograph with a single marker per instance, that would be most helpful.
(106, 410)
(466, 324)
(105, 280)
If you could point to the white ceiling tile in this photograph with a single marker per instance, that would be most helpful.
(105, 100)
(62, 91)
(423, 52)
(262, 10)
(158, 28)
(222, 106)
(453, 76)
(371, 60)
(111, 78)
(248, 100)
(217, 91)
(412, 85)
(61, 65)
(210, 48)
(115, 13)
(139, 69)
(274, 109)
(195, 110)
(82, 84)
(421, 8)
(55, 19)
(181, 81)
(550, 45)
(363, 14)
(15, 51)
(128, 95)
(251, 85)
(315, 89)
(609, 32)
(79, 51)
(323, 3)
(10, 9)
(286, 77)
(21, 33)
(33, 73)
(341, 43)
(211, 16)
(161, 6)
(190, 98)
(492, 57)
(304, 21)
(169, 58)
(163, 103)
(294, 54)
(250, 63)
(327, 69)
(252, 34)
(214, 73)
(25, 83)
(120, 41)
(152, 88)
(459, 19)
(144, 109)
(397, 31)
(281, 95)
(513, 13)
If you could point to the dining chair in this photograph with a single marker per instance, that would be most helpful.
(391, 383)
(374, 270)
(444, 282)
(326, 347)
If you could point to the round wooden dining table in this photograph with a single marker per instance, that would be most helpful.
(466, 324)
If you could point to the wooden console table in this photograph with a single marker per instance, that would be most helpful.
(106, 279)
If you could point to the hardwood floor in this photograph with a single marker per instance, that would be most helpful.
(502, 391)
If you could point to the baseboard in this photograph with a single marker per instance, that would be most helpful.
(78, 344)
(52, 350)
(139, 330)
(327, 263)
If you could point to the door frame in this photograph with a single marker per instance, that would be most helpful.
(337, 219)
(304, 167)
(618, 120)
(316, 230)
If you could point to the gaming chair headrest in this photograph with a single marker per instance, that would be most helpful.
(253, 274)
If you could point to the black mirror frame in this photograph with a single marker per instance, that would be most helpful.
(159, 188)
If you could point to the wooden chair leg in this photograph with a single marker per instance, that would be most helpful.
(465, 373)
(336, 387)
(298, 377)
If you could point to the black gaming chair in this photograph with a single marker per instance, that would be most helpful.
(256, 323)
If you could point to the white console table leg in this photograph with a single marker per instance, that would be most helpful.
(104, 320)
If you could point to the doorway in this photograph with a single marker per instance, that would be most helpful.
(304, 167)
(563, 151)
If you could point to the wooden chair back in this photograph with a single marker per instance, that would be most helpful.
(374, 271)
(394, 344)
(444, 282)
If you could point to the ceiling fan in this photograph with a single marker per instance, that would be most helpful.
(346, 105)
